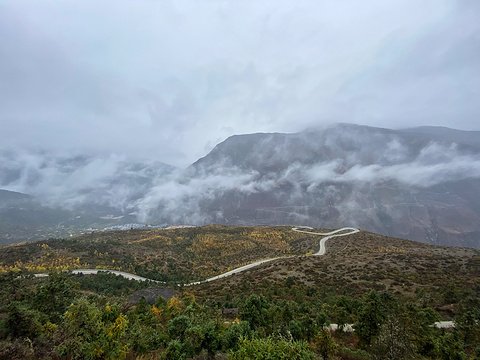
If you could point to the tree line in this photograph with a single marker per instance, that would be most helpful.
(88, 317)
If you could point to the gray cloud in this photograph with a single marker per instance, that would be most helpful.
(332, 167)
(167, 80)
(182, 197)
(72, 180)
(421, 172)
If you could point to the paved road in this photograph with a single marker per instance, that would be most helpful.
(331, 234)
(303, 229)
(445, 324)
(350, 327)
(321, 251)
(126, 275)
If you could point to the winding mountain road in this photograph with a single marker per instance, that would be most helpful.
(302, 229)
(321, 251)
(331, 234)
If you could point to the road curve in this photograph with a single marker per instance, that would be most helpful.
(126, 275)
(321, 251)
(331, 234)
(302, 229)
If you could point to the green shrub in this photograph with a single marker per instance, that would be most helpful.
(271, 349)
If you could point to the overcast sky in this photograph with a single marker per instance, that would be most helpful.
(170, 79)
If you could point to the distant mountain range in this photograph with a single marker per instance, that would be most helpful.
(69, 194)
(421, 184)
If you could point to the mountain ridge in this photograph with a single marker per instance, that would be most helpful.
(389, 177)
(409, 183)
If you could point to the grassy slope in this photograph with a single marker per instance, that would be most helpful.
(355, 263)
(358, 263)
(177, 254)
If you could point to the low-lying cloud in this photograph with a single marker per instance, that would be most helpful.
(435, 164)
(182, 198)
(73, 180)
(209, 191)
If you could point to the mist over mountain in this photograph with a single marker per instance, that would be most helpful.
(111, 182)
(68, 194)
(421, 184)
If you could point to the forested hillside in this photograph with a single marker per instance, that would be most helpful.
(179, 255)
(391, 291)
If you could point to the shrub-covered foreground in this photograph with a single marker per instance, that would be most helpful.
(63, 317)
